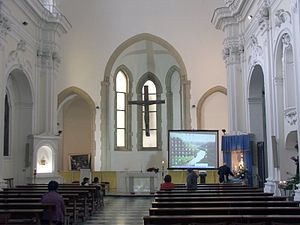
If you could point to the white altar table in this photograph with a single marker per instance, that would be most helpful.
(134, 181)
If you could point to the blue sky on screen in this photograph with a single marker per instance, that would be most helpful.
(194, 137)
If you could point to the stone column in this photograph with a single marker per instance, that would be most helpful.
(231, 56)
(5, 27)
(105, 144)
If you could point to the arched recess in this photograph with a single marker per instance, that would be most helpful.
(206, 95)
(174, 98)
(125, 54)
(257, 118)
(76, 125)
(20, 95)
(285, 95)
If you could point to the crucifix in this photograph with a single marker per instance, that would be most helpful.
(146, 102)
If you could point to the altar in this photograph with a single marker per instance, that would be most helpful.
(135, 181)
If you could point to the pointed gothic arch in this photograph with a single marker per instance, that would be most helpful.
(19, 90)
(70, 101)
(285, 94)
(106, 122)
(207, 94)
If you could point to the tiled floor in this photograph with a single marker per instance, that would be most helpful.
(121, 211)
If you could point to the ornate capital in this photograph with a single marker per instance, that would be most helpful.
(232, 50)
(281, 17)
(291, 116)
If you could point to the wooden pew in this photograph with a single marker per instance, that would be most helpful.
(209, 190)
(20, 206)
(23, 216)
(218, 188)
(211, 194)
(226, 211)
(71, 205)
(82, 196)
(218, 203)
(221, 198)
(64, 188)
(227, 219)
(187, 204)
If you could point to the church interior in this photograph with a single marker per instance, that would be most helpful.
(94, 88)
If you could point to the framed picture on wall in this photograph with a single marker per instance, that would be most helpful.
(79, 161)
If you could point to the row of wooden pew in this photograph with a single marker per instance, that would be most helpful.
(221, 204)
(22, 204)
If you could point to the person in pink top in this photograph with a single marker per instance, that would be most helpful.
(167, 185)
(53, 197)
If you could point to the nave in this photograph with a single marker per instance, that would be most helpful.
(121, 211)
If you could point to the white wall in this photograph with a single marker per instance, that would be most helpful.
(100, 26)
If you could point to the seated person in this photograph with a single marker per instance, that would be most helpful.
(85, 181)
(53, 197)
(167, 185)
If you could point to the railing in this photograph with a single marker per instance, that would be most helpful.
(51, 8)
(53, 11)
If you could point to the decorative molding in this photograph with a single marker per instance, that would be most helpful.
(254, 100)
(286, 40)
(278, 81)
(228, 2)
(230, 14)
(295, 6)
(48, 56)
(282, 16)
(34, 7)
(263, 17)
(256, 50)
(17, 57)
(291, 116)
(5, 25)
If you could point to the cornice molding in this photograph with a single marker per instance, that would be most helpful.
(230, 14)
(38, 10)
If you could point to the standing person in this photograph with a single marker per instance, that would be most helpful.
(224, 172)
(167, 185)
(53, 197)
(98, 192)
(191, 180)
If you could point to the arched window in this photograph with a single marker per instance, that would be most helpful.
(6, 127)
(150, 141)
(121, 107)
